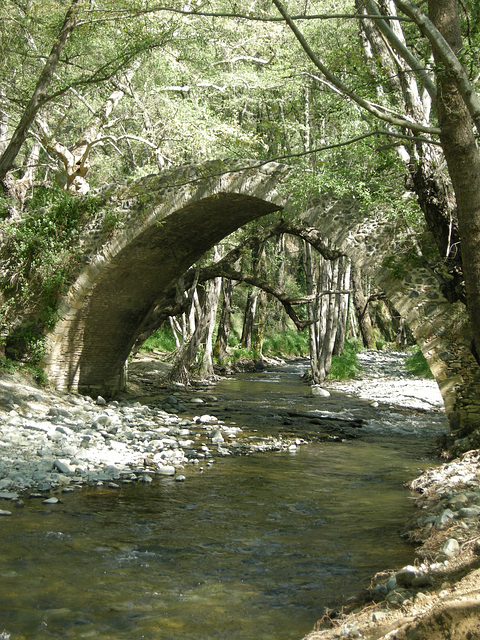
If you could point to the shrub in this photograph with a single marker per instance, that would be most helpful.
(346, 366)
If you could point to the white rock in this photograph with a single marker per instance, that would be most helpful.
(450, 548)
(319, 392)
(166, 470)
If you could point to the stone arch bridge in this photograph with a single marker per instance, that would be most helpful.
(170, 220)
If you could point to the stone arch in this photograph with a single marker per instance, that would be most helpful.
(170, 220)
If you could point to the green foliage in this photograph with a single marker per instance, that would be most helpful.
(112, 221)
(13, 366)
(417, 364)
(161, 340)
(41, 250)
(42, 246)
(241, 353)
(287, 343)
(346, 366)
(26, 343)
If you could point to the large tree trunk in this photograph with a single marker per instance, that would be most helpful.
(422, 161)
(461, 152)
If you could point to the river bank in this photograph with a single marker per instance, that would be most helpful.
(54, 443)
(438, 595)
(51, 442)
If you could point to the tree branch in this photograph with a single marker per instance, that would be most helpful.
(402, 50)
(446, 55)
(331, 77)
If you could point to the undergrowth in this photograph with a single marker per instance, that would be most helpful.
(287, 343)
(14, 366)
(346, 366)
(160, 340)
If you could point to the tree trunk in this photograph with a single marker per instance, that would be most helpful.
(344, 305)
(248, 330)
(362, 313)
(328, 321)
(75, 162)
(461, 152)
(40, 92)
(224, 326)
(311, 307)
(249, 318)
(210, 311)
(261, 320)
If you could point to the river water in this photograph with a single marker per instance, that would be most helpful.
(252, 547)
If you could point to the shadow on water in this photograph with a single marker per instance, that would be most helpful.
(252, 547)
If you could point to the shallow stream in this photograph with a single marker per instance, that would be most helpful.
(253, 547)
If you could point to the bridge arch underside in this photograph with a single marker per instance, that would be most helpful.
(97, 332)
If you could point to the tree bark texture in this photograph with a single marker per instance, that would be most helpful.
(461, 152)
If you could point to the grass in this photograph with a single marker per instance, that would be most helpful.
(346, 366)
(160, 340)
(287, 343)
(34, 370)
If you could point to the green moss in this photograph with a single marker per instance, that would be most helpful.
(417, 364)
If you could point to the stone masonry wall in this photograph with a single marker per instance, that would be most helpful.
(169, 221)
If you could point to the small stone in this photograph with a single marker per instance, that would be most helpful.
(51, 500)
(444, 517)
(101, 401)
(63, 466)
(5, 513)
(450, 548)
(406, 576)
(8, 495)
(180, 478)
(469, 512)
(165, 470)
(320, 392)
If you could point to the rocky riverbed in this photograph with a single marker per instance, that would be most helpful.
(52, 443)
